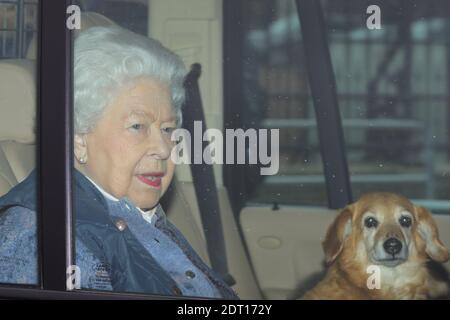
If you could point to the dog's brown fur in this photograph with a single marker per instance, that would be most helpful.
(348, 259)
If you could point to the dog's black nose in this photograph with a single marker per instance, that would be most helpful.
(392, 246)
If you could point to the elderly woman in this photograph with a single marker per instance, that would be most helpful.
(128, 97)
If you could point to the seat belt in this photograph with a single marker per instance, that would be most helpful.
(204, 181)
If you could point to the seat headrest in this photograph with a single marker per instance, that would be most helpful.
(17, 101)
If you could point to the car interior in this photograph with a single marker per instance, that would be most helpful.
(272, 251)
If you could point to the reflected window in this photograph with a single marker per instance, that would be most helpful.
(393, 95)
(276, 95)
(18, 27)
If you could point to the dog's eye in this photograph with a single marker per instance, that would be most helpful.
(370, 222)
(405, 221)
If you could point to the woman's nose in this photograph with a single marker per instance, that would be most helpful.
(159, 146)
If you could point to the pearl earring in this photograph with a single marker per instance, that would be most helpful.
(82, 160)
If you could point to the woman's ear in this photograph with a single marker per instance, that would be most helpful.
(337, 233)
(428, 231)
(80, 148)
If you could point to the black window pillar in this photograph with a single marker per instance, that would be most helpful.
(54, 143)
(323, 90)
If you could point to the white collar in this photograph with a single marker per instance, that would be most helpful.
(147, 215)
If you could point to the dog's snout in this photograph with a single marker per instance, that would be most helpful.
(392, 246)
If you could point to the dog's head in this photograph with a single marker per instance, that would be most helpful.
(384, 229)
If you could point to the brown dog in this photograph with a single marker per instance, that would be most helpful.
(387, 234)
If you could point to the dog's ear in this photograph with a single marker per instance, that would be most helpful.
(428, 231)
(337, 233)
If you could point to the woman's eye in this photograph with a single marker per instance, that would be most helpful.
(137, 126)
(405, 221)
(370, 222)
(168, 130)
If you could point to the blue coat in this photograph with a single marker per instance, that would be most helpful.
(109, 258)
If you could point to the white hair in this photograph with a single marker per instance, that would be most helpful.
(108, 58)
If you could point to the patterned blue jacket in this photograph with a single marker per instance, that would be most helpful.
(144, 257)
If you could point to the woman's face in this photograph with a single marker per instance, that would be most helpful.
(128, 152)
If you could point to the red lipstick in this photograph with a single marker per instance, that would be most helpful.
(152, 179)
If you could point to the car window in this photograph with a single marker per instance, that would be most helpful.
(274, 94)
(391, 90)
(393, 96)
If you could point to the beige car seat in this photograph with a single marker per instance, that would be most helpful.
(17, 121)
